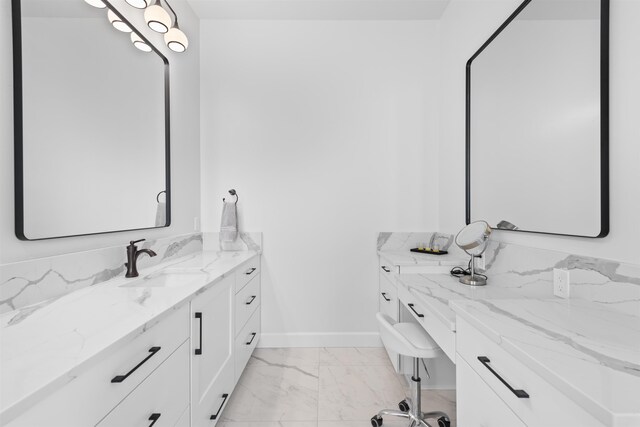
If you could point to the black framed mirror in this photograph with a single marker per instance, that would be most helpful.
(91, 120)
(537, 121)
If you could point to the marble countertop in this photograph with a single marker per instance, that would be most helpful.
(436, 291)
(586, 349)
(408, 258)
(588, 352)
(45, 345)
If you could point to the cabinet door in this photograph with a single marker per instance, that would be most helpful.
(477, 404)
(246, 342)
(212, 341)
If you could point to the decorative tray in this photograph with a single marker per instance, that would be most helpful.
(429, 251)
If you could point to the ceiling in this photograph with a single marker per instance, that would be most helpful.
(320, 9)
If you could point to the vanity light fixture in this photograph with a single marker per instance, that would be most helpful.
(139, 4)
(175, 38)
(157, 18)
(117, 23)
(139, 43)
(96, 3)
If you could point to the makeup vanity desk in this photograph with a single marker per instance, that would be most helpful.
(523, 357)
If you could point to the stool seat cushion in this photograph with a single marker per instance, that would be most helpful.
(407, 339)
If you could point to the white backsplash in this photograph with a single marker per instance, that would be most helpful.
(30, 282)
(612, 283)
(245, 241)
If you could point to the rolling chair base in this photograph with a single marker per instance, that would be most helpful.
(414, 421)
(413, 412)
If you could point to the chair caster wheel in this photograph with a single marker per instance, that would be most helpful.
(403, 406)
(376, 421)
(444, 422)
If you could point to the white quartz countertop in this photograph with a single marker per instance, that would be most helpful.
(585, 349)
(42, 347)
(408, 258)
(436, 291)
(589, 352)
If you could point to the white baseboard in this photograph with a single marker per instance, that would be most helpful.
(315, 339)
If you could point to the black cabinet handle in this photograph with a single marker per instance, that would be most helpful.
(253, 336)
(250, 300)
(224, 399)
(385, 268)
(120, 378)
(249, 271)
(198, 350)
(384, 295)
(154, 418)
(519, 393)
(414, 310)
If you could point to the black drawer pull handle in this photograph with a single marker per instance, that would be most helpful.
(224, 399)
(120, 378)
(154, 418)
(253, 336)
(250, 300)
(414, 310)
(384, 295)
(199, 349)
(249, 271)
(386, 269)
(519, 393)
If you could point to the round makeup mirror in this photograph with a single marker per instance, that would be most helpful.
(473, 240)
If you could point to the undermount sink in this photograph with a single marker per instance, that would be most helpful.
(165, 279)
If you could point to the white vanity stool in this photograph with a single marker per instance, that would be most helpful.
(410, 340)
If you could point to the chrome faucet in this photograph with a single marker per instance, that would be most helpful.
(132, 257)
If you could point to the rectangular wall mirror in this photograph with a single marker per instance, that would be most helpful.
(537, 121)
(91, 124)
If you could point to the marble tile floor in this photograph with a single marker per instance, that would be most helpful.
(322, 387)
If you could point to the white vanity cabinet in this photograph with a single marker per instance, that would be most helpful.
(397, 303)
(160, 400)
(178, 371)
(491, 382)
(116, 379)
(248, 323)
(225, 329)
(388, 303)
(212, 339)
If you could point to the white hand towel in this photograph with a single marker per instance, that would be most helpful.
(161, 215)
(229, 223)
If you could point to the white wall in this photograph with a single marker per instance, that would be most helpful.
(465, 25)
(328, 131)
(185, 142)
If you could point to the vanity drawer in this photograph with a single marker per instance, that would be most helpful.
(162, 397)
(76, 404)
(546, 406)
(247, 300)
(388, 297)
(246, 342)
(477, 405)
(387, 269)
(443, 335)
(246, 272)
